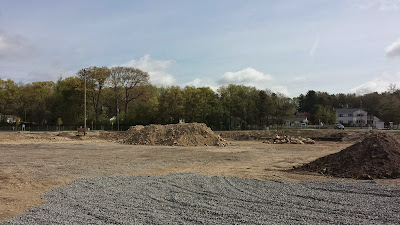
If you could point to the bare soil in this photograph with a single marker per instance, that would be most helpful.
(377, 156)
(33, 163)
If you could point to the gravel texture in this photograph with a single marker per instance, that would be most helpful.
(199, 199)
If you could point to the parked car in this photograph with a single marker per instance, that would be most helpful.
(339, 126)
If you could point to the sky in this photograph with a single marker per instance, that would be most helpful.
(347, 46)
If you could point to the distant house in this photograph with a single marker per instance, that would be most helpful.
(351, 117)
(375, 122)
(296, 121)
(357, 117)
(8, 118)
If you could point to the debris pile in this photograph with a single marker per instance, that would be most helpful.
(189, 134)
(375, 157)
(289, 140)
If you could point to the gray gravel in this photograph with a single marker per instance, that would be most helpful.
(199, 199)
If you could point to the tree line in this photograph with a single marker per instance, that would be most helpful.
(124, 96)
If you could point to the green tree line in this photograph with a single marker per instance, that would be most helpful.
(124, 95)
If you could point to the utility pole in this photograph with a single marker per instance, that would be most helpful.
(361, 122)
(84, 126)
(117, 116)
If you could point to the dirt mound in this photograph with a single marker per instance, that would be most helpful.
(377, 156)
(189, 134)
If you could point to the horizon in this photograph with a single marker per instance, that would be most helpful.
(347, 46)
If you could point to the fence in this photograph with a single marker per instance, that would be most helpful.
(44, 128)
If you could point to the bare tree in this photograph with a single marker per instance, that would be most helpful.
(129, 79)
(115, 81)
(392, 88)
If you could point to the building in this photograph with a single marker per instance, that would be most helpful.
(375, 122)
(351, 117)
(356, 117)
(8, 118)
(298, 120)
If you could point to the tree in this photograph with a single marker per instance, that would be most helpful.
(115, 81)
(9, 97)
(392, 88)
(59, 123)
(96, 78)
(130, 79)
(308, 102)
(171, 104)
(283, 107)
(389, 108)
(240, 105)
(68, 101)
(265, 107)
(144, 110)
(325, 115)
(36, 100)
(199, 104)
(370, 102)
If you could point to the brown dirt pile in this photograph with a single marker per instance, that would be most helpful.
(375, 157)
(189, 134)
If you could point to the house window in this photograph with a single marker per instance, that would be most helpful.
(340, 115)
(360, 121)
(349, 122)
(350, 114)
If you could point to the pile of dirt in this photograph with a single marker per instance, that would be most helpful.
(289, 140)
(189, 134)
(375, 157)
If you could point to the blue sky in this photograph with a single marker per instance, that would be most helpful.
(285, 46)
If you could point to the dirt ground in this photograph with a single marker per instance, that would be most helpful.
(33, 163)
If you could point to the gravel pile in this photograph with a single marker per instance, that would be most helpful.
(200, 199)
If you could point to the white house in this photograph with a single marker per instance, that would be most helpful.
(296, 121)
(375, 122)
(357, 117)
(8, 118)
(351, 117)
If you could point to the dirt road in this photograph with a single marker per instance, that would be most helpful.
(31, 164)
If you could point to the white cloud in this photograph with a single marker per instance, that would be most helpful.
(198, 82)
(393, 49)
(246, 76)
(389, 5)
(254, 78)
(280, 89)
(379, 84)
(12, 45)
(381, 5)
(156, 68)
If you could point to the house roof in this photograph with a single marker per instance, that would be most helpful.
(296, 118)
(346, 111)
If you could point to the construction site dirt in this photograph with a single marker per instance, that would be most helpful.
(34, 163)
